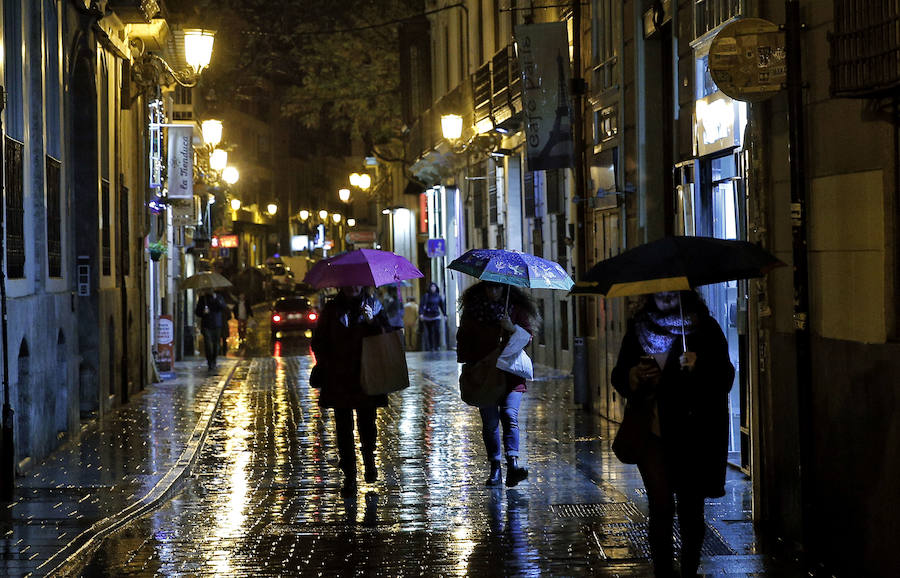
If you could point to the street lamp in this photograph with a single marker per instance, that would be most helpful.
(451, 126)
(212, 132)
(304, 214)
(323, 214)
(360, 180)
(150, 70)
(235, 204)
(272, 208)
(344, 194)
(351, 222)
(218, 160)
(198, 47)
(336, 217)
(230, 175)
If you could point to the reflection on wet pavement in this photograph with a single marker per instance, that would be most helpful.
(264, 499)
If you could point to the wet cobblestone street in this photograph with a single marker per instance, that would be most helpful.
(264, 498)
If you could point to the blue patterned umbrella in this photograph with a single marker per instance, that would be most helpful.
(512, 268)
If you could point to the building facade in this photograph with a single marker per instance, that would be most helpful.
(806, 167)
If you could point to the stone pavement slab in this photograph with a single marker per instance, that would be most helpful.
(117, 468)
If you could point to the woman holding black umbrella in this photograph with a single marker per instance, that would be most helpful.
(675, 372)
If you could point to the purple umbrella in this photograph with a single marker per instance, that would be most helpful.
(361, 267)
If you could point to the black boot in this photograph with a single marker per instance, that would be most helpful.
(371, 472)
(496, 477)
(514, 474)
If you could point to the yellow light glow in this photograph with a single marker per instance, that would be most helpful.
(218, 160)
(451, 126)
(212, 132)
(323, 214)
(230, 175)
(235, 204)
(272, 208)
(304, 214)
(365, 181)
(336, 217)
(484, 125)
(351, 222)
(344, 194)
(354, 179)
(198, 47)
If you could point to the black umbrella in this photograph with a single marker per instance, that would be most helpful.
(675, 264)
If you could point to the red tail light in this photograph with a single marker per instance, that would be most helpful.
(276, 318)
(313, 316)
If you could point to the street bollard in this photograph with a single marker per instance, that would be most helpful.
(580, 370)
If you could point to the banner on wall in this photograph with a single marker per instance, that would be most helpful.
(543, 51)
(181, 163)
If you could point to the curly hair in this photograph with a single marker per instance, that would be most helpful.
(518, 298)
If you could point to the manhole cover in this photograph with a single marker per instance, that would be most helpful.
(607, 511)
(631, 540)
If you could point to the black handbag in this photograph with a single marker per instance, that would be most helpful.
(634, 433)
(481, 384)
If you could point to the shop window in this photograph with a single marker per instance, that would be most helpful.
(710, 14)
(54, 218)
(15, 210)
(105, 230)
(606, 18)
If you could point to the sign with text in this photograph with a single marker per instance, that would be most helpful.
(181, 163)
(165, 338)
(544, 62)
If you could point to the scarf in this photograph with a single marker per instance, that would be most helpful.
(657, 331)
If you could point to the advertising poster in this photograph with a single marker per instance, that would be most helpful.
(165, 340)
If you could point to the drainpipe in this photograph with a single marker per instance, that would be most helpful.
(582, 391)
(799, 185)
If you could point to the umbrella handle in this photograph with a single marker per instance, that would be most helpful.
(507, 299)
(681, 313)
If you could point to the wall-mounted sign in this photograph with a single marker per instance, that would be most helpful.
(435, 248)
(748, 60)
(165, 337)
(181, 162)
(717, 120)
(228, 241)
(361, 237)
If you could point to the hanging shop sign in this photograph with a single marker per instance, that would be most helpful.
(165, 338)
(718, 118)
(436, 248)
(543, 51)
(747, 59)
(181, 162)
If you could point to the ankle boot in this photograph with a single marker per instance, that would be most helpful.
(496, 477)
(371, 472)
(514, 474)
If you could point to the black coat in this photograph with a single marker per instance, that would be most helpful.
(338, 348)
(693, 405)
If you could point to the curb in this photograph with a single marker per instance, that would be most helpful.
(68, 560)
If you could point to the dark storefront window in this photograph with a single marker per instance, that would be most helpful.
(54, 219)
(15, 210)
(528, 194)
(105, 241)
(492, 194)
(124, 232)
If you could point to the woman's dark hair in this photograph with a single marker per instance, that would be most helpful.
(518, 297)
(691, 302)
(435, 285)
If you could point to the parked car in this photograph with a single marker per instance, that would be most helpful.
(292, 315)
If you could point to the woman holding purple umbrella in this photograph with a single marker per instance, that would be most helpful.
(675, 372)
(337, 345)
(490, 313)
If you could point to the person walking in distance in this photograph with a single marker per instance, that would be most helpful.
(432, 311)
(674, 370)
(410, 322)
(242, 312)
(337, 344)
(211, 311)
(485, 322)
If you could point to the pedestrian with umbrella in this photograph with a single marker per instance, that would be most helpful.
(337, 343)
(492, 311)
(674, 371)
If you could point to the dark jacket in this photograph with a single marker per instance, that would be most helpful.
(432, 306)
(693, 405)
(212, 311)
(476, 339)
(338, 347)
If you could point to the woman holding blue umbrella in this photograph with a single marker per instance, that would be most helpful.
(490, 313)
